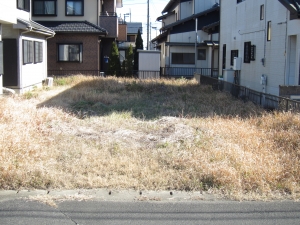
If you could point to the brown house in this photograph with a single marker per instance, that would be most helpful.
(85, 30)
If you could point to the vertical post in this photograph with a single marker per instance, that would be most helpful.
(196, 28)
(147, 24)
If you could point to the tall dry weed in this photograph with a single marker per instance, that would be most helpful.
(197, 139)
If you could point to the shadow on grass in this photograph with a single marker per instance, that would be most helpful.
(150, 99)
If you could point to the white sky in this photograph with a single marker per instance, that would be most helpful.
(138, 9)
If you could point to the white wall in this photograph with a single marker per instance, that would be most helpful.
(8, 11)
(90, 13)
(32, 74)
(186, 9)
(149, 60)
(204, 5)
(189, 37)
(245, 25)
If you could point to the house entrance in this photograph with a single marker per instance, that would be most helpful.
(10, 62)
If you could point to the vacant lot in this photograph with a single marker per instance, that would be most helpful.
(89, 132)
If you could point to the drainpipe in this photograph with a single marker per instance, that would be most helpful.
(196, 29)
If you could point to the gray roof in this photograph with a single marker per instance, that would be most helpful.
(133, 27)
(73, 27)
(36, 27)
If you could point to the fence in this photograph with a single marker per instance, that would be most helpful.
(187, 72)
(138, 74)
(267, 101)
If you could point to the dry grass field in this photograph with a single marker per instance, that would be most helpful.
(91, 132)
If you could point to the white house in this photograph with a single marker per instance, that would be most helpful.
(23, 42)
(265, 36)
(189, 36)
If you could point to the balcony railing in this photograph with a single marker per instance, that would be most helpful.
(108, 14)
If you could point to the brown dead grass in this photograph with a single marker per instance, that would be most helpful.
(243, 153)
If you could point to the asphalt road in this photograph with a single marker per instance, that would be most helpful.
(18, 211)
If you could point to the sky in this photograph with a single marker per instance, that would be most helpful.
(138, 10)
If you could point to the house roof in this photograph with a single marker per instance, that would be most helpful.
(292, 5)
(34, 27)
(73, 27)
(191, 17)
(162, 35)
(133, 27)
(165, 16)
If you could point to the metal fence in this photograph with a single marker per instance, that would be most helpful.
(267, 101)
(76, 72)
(137, 74)
(175, 72)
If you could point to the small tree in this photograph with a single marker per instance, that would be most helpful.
(129, 62)
(138, 45)
(114, 64)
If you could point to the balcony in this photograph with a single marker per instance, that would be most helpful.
(109, 21)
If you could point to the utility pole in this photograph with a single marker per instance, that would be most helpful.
(147, 24)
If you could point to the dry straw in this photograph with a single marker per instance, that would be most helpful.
(90, 132)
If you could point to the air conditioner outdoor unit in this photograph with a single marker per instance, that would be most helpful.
(237, 63)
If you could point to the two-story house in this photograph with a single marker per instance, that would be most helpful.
(85, 30)
(265, 36)
(23, 47)
(189, 36)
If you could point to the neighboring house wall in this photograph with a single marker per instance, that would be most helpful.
(90, 52)
(246, 25)
(201, 6)
(90, 12)
(181, 47)
(8, 11)
(122, 32)
(17, 29)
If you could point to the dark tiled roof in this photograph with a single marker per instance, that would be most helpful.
(73, 27)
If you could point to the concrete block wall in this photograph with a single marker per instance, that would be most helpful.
(90, 56)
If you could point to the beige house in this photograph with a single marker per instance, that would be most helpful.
(85, 30)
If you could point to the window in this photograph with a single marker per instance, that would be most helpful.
(27, 52)
(69, 52)
(269, 31)
(234, 53)
(183, 58)
(44, 8)
(201, 54)
(247, 52)
(74, 8)
(262, 12)
(23, 5)
(38, 52)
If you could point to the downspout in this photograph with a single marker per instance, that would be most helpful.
(286, 56)
(196, 39)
